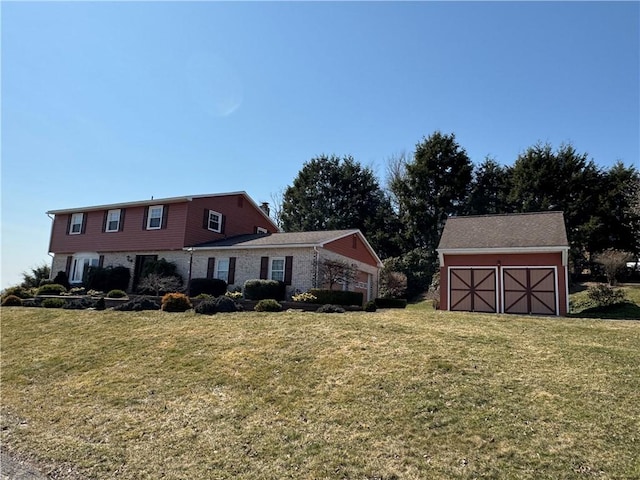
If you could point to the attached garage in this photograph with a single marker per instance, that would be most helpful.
(515, 263)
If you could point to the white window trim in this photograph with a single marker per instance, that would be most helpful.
(219, 229)
(81, 261)
(149, 217)
(261, 230)
(106, 227)
(271, 270)
(218, 271)
(75, 216)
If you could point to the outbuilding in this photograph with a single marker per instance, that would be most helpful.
(512, 263)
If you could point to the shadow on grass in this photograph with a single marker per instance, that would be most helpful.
(621, 311)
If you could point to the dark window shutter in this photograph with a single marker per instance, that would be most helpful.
(84, 223)
(69, 224)
(223, 221)
(165, 216)
(67, 269)
(101, 261)
(105, 218)
(232, 271)
(144, 218)
(205, 219)
(121, 227)
(211, 267)
(264, 267)
(288, 268)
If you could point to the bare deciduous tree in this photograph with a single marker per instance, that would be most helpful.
(156, 283)
(614, 263)
(336, 272)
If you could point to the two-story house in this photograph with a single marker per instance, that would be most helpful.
(225, 236)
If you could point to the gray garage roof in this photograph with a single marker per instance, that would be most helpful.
(257, 240)
(523, 230)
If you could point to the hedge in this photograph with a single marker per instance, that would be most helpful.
(263, 289)
(210, 286)
(336, 297)
(391, 302)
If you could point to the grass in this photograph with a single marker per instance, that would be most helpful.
(582, 307)
(396, 394)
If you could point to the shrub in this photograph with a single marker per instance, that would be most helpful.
(203, 296)
(304, 297)
(225, 304)
(206, 307)
(392, 284)
(210, 286)
(61, 278)
(604, 296)
(391, 303)
(337, 297)
(18, 291)
(138, 304)
(53, 303)
(329, 308)
(264, 289)
(370, 306)
(107, 278)
(235, 295)
(12, 301)
(158, 284)
(51, 289)
(100, 304)
(176, 302)
(77, 291)
(78, 304)
(268, 305)
(614, 264)
(116, 293)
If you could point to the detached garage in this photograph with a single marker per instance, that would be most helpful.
(514, 263)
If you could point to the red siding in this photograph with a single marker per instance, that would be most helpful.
(132, 237)
(184, 227)
(504, 260)
(240, 217)
(345, 246)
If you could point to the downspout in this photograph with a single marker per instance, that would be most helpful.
(317, 270)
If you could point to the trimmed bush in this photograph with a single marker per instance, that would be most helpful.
(12, 301)
(225, 304)
(264, 289)
(305, 297)
(53, 303)
(107, 278)
(100, 304)
(370, 306)
(138, 304)
(206, 307)
(211, 286)
(51, 289)
(328, 308)
(268, 305)
(116, 293)
(336, 297)
(175, 302)
(391, 303)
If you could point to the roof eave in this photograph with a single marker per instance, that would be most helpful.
(563, 249)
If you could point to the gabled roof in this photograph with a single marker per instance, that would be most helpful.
(544, 230)
(284, 240)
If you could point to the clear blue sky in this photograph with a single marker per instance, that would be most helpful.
(121, 101)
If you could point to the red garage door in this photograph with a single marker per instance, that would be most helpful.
(472, 289)
(530, 291)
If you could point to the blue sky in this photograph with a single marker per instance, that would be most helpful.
(121, 101)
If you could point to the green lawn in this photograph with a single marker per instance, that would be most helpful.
(581, 306)
(396, 394)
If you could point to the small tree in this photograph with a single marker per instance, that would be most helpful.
(33, 277)
(334, 272)
(156, 283)
(614, 263)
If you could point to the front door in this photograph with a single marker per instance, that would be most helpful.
(141, 263)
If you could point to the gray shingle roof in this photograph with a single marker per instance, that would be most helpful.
(524, 230)
(279, 239)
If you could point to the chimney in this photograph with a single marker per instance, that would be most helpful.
(264, 206)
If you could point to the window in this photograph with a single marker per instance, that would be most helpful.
(277, 269)
(154, 219)
(214, 222)
(113, 221)
(222, 269)
(76, 223)
(80, 264)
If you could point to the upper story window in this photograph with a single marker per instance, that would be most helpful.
(154, 218)
(214, 222)
(113, 221)
(75, 227)
(277, 269)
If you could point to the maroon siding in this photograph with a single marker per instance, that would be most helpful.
(352, 246)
